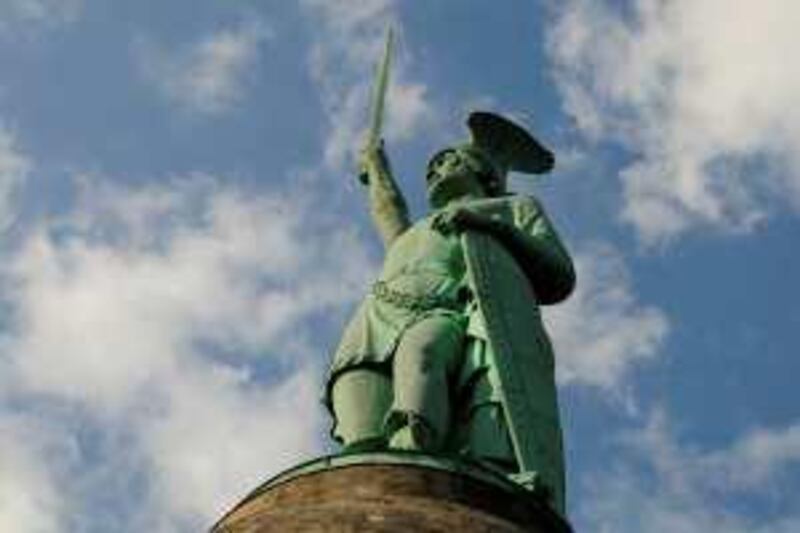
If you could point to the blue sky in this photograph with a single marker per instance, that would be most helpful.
(183, 239)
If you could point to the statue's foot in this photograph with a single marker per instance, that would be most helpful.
(403, 439)
(413, 434)
(372, 444)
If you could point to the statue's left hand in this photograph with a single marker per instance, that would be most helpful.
(459, 219)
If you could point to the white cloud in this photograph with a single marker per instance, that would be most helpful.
(349, 43)
(755, 459)
(346, 15)
(15, 167)
(29, 499)
(20, 14)
(221, 438)
(208, 76)
(659, 484)
(602, 331)
(166, 329)
(703, 94)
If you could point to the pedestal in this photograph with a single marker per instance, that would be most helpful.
(391, 492)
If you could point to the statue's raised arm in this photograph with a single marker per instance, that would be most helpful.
(387, 205)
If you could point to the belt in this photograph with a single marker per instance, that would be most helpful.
(414, 302)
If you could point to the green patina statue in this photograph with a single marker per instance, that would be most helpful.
(447, 354)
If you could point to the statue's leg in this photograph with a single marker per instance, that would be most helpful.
(485, 431)
(481, 432)
(361, 398)
(426, 358)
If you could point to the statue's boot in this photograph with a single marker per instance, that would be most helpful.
(411, 432)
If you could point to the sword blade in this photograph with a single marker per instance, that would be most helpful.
(379, 91)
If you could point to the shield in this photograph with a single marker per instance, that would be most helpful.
(523, 358)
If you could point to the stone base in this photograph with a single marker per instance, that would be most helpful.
(391, 492)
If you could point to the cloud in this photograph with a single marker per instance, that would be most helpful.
(756, 459)
(602, 331)
(15, 168)
(348, 44)
(660, 484)
(208, 76)
(222, 438)
(29, 499)
(164, 331)
(703, 98)
(26, 14)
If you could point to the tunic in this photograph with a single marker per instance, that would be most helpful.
(423, 274)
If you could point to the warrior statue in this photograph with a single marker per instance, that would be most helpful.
(447, 354)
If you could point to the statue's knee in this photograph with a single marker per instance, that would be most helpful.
(431, 345)
(427, 356)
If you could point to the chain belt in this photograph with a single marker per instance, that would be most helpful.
(414, 302)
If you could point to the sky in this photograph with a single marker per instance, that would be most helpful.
(183, 239)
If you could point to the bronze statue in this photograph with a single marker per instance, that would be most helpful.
(447, 353)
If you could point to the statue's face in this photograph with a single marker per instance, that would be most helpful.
(453, 173)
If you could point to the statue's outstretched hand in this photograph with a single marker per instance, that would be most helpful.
(372, 161)
(458, 219)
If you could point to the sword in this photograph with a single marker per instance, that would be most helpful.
(373, 139)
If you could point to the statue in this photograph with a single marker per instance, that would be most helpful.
(447, 354)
